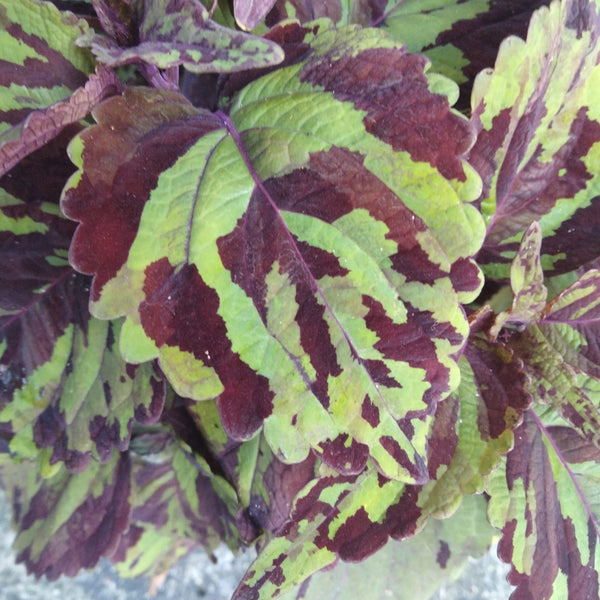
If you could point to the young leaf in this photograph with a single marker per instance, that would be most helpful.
(545, 500)
(527, 283)
(68, 521)
(342, 12)
(172, 33)
(269, 216)
(537, 146)
(560, 353)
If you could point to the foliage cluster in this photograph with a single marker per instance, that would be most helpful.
(303, 274)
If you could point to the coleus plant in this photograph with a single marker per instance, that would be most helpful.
(314, 276)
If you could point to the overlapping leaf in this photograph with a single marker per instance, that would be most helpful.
(43, 76)
(280, 258)
(68, 521)
(177, 504)
(545, 500)
(537, 146)
(265, 485)
(82, 402)
(414, 568)
(460, 37)
(560, 354)
(167, 33)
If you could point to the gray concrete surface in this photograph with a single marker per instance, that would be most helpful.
(196, 578)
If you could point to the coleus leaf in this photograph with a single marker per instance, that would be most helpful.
(333, 516)
(414, 568)
(177, 504)
(83, 402)
(537, 146)
(560, 353)
(347, 517)
(492, 398)
(43, 85)
(170, 33)
(545, 500)
(527, 283)
(68, 521)
(460, 37)
(297, 299)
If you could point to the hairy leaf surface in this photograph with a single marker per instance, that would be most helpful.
(537, 149)
(545, 500)
(281, 257)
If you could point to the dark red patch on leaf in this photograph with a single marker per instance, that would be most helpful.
(500, 380)
(346, 456)
(443, 554)
(370, 412)
(122, 159)
(181, 310)
(390, 85)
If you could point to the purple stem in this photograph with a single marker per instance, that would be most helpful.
(156, 79)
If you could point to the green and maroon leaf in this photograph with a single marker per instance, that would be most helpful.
(82, 404)
(491, 400)
(413, 568)
(317, 280)
(545, 501)
(265, 485)
(349, 517)
(460, 37)
(67, 522)
(177, 505)
(170, 33)
(40, 294)
(537, 149)
(65, 390)
(40, 68)
(333, 516)
(527, 283)
(560, 355)
(576, 314)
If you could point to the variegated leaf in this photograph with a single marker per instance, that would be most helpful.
(527, 283)
(296, 257)
(169, 33)
(68, 521)
(43, 77)
(177, 504)
(545, 500)
(537, 149)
